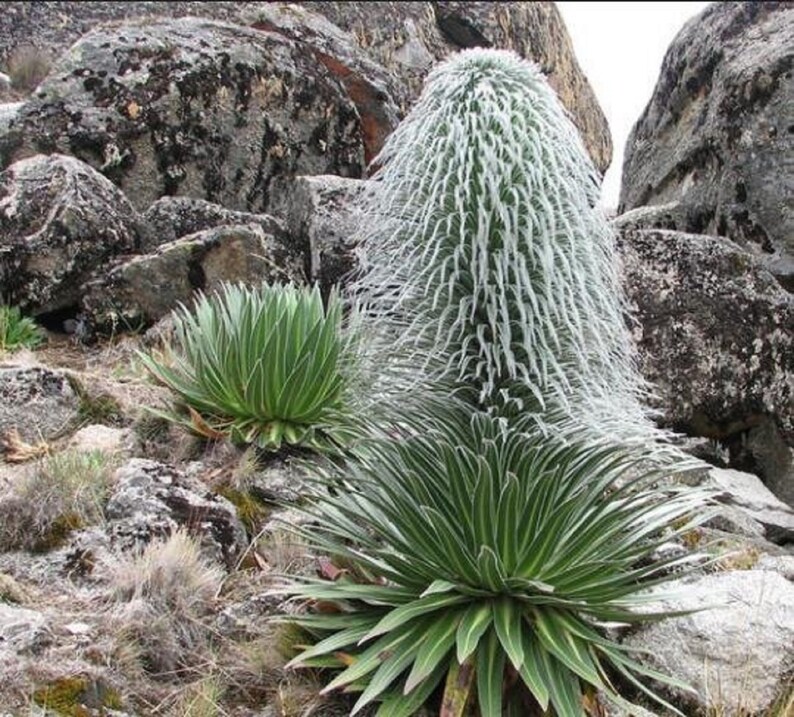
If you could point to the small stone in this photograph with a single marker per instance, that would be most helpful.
(38, 402)
(747, 493)
(22, 631)
(101, 438)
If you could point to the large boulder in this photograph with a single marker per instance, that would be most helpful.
(408, 38)
(715, 332)
(368, 84)
(716, 139)
(192, 107)
(145, 288)
(735, 651)
(379, 51)
(59, 220)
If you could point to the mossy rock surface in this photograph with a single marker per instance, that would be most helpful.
(77, 696)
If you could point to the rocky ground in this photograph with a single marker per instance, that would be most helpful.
(162, 155)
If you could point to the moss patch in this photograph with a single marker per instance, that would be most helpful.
(252, 512)
(57, 534)
(77, 696)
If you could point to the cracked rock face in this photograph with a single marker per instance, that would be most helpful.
(715, 332)
(171, 218)
(716, 140)
(191, 107)
(59, 220)
(323, 216)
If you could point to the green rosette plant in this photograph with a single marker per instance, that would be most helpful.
(263, 366)
(18, 331)
(488, 263)
(482, 561)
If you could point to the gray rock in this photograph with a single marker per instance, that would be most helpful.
(783, 564)
(22, 631)
(152, 499)
(736, 653)
(105, 439)
(280, 481)
(765, 451)
(716, 137)
(374, 44)
(322, 215)
(144, 289)
(715, 332)
(8, 111)
(171, 218)
(192, 107)
(736, 521)
(746, 492)
(59, 221)
(38, 402)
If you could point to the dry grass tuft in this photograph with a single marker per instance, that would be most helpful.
(27, 66)
(17, 450)
(201, 698)
(161, 596)
(61, 493)
(11, 591)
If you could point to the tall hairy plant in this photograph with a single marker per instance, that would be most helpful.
(488, 563)
(487, 261)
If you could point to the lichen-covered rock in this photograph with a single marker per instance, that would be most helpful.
(151, 500)
(192, 107)
(371, 88)
(322, 216)
(735, 652)
(408, 38)
(59, 221)
(171, 218)
(145, 288)
(715, 332)
(38, 402)
(716, 137)
(369, 46)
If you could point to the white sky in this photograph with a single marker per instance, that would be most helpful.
(620, 47)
